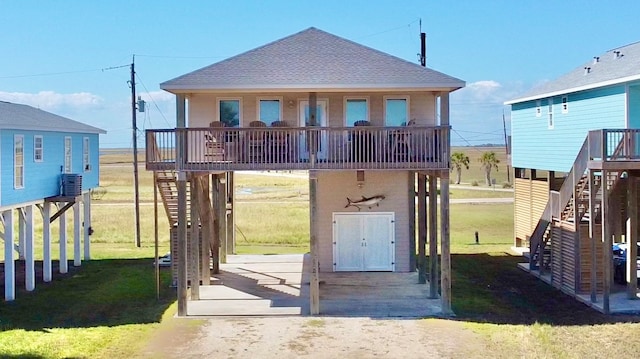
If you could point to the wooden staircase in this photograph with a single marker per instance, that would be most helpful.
(167, 187)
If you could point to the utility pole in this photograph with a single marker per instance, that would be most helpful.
(134, 130)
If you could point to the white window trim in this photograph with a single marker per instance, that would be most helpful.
(399, 97)
(269, 98)
(550, 117)
(15, 164)
(344, 107)
(70, 167)
(35, 149)
(239, 99)
(538, 108)
(86, 154)
(565, 104)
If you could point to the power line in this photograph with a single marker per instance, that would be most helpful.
(389, 30)
(152, 100)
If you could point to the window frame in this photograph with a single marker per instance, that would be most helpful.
(406, 98)
(18, 166)
(68, 155)
(86, 154)
(239, 99)
(37, 149)
(269, 98)
(360, 98)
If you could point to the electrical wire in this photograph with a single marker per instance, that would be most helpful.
(152, 100)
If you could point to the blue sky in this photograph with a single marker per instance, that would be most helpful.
(54, 53)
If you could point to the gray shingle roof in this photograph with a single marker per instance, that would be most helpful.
(608, 70)
(312, 59)
(22, 117)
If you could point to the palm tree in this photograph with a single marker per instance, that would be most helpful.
(459, 159)
(488, 161)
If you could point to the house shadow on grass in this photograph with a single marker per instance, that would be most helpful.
(107, 292)
(491, 288)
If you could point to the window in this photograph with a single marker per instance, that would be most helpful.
(396, 111)
(67, 154)
(269, 111)
(229, 112)
(550, 113)
(37, 149)
(356, 109)
(538, 108)
(86, 159)
(18, 161)
(565, 104)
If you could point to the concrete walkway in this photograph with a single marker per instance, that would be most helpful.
(276, 285)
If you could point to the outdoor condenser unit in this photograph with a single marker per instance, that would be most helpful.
(71, 185)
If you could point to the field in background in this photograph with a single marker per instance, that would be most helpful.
(475, 171)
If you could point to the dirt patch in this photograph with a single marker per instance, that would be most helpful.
(305, 337)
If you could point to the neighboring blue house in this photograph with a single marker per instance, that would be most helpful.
(44, 159)
(575, 148)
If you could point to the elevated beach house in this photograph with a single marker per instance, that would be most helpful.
(365, 125)
(576, 156)
(48, 165)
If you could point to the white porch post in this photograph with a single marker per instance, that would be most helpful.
(21, 233)
(77, 260)
(46, 242)
(64, 264)
(9, 258)
(86, 203)
(29, 253)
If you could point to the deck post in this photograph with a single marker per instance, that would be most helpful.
(29, 252)
(445, 266)
(606, 239)
(86, 205)
(632, 237)
(21, 233)
(9, 257)
(206, 230)
(194, 240)
(221, 212)
(412, 220)
(77, 260)
(314, 283)
(434, 274)
(46, 242)
(62, 226)
(592, 237)
(181, 185)
(214, 224)
(229, 213)
(422, 228)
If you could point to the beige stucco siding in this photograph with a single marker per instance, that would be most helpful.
(333, 189)
(202, 107)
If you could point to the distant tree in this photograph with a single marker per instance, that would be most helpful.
(488, 162)
(459, 160)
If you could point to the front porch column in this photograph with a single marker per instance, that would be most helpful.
(182, 243)
(632, 238)
(314, 283)
(86, 206)
(46, 242)
(29, 252)
(606, 239)
(77, 260)
(422, 228)
(62, 239)
(445, 265)
(21, 233)
(229, 214)
(9, 257)
(194, 240)
(434, 274)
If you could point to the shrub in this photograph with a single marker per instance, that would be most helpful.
(474, 183)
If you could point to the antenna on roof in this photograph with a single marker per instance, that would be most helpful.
(423, 47)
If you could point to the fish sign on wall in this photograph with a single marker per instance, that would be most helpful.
(368, 202)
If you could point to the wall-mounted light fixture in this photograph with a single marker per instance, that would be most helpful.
(290, 103)
(360, 178)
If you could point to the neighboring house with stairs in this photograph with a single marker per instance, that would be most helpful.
(576, 157)
(48, 165)
(365, 124)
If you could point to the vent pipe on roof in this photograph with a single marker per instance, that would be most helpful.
(587, 70)
(596, 59)
(617, 54)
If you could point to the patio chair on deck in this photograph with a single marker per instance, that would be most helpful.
(214, 142)
(255, 142)
(279, 143)
(362, 143)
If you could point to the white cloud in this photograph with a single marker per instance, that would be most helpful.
(53, 101)
(157, 96)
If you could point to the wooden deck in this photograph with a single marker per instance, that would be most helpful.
(256, 285)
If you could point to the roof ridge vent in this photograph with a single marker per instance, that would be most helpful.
(596, 59)
(617, 54)
(587, 70)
